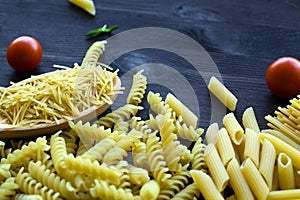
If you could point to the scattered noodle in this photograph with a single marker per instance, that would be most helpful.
(138, 88)
(222, 93)
(249, 120)
(234, 129)
(180, 109)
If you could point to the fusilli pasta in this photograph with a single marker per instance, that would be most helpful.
(138, 89)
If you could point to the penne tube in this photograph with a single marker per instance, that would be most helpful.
(267, 162)
(206, 185)
(216, 167)
(224, 146)
(240, 151)
(283, 147)
(284, 194)
(283, 137)
(237, 154)
(254, 179)
(188, 117)
(275, 181)
(234, 128)
(252, 146)
(249, 120)
(211, 133)
(222, 93)
(285, 172)
(238, 182)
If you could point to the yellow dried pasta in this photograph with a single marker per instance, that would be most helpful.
(127, 157)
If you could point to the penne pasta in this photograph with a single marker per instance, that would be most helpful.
(224, 146)
(283, 147)
(240, 151)
(237, 152)
(216, 167)
(284, 194)
(252, 146)
(238, 182)
(267, 162)
(254, 179)
(249, 120)
(188, 117)
(211, 133)
(222, 93)
(285, 172)
(275, 181)
(206, 185)
(234, 129)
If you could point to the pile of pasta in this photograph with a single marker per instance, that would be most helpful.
(122, 156)
(61, 94)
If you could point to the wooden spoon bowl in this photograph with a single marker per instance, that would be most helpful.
(6, 132)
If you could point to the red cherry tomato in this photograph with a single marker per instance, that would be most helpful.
(283, 77)
(24, 53)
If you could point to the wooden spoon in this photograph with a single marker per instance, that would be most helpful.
(46, 128)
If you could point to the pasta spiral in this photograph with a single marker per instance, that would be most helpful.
(170, 144)
(138, 176)
(139, 155)
(31, 186)
(58, 152)
(176, 183)
(4, 171)
(172, 153)
(8, 188)
(198, 162)
(40, 173)
(123, 113)
(166, 128)
(123, 166)
(71, 139)
(93, 169)
(189, 192)
(121, 126)
(114, 155)
(20, 157)
(28, 197)
(98, 151)
(106, 191)
(138, 124)
(89, 134)
(138, 89)
(156, 160)
(157, 104)
(188, 132)
(93, 54)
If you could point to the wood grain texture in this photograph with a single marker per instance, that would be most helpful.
(242, 37)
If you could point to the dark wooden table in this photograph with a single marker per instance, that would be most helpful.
(242, 37)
